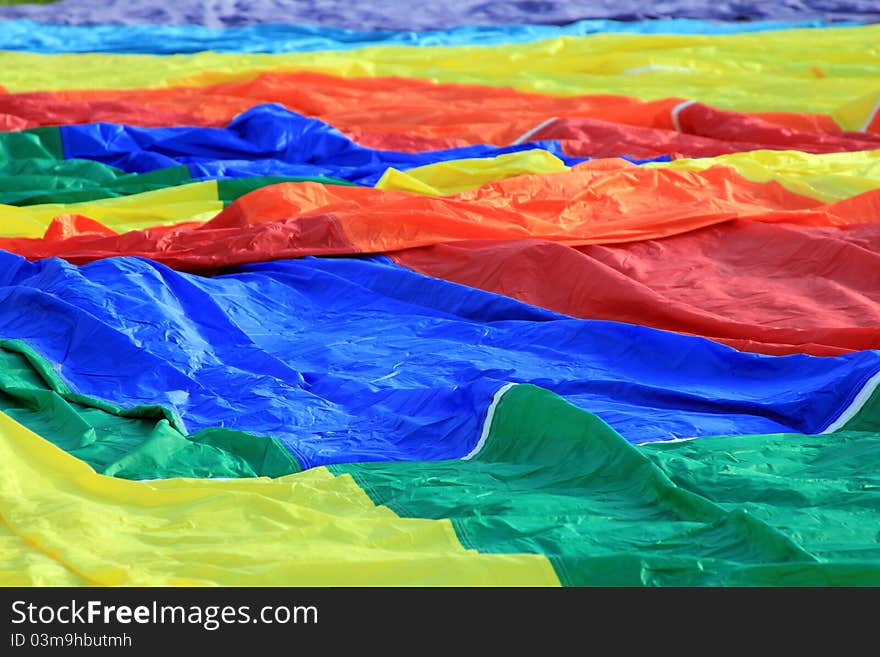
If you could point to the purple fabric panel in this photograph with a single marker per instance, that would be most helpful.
(397, 15)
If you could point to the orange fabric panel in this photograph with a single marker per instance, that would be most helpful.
(598, 202)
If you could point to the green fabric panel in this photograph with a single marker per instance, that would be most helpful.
(76, 181)
(553, 479)
(42, 143)
(145, 442)
(42, 180)
(230, 189)
(868, 417)
(823, 491)
(50, 138)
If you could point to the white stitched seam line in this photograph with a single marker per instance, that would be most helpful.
(850, 411)
(487, 423)
(527, 135)
(871, 116)
(677, 110)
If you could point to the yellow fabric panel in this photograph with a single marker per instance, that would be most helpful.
(830, 177)
(65, 524)
(25, 565)
(857, 114)
(804, 70)
(172, 205)
(462, 175)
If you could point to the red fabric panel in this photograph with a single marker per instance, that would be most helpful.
(767, 288)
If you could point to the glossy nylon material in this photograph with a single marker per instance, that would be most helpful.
(265, 140)
(826, 177)
(30, 181)
(622, 127)
(63, 524)
(658, 514)
(827, 71)
(699, 131)
(432, 15)
(597, 202)
(661, 512)
(193, 202)
(829, 177)
(277, 38)
(789, 509)
(742, 535)
(412, 114)
(463, 175)
(147, 442)
(33, 171)
(812, 290)
(143, 442)
(350, 360)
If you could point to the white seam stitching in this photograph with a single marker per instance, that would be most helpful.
(487, 423)
(871, 116)
(857, 404)
(525, 136)
(677, 110)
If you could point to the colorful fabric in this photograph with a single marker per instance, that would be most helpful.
(433, 15)
(265, 140)
(579, 506)
(491, 294)
(290, 373)
(371, 108)
(629, 203)
(827, 71)
(703, 282)
(276, 38)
